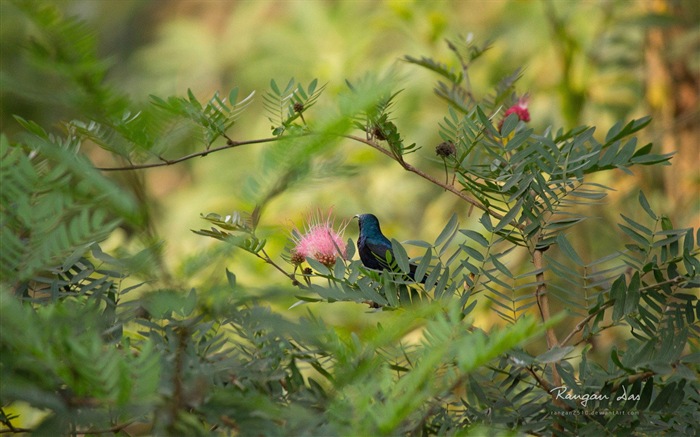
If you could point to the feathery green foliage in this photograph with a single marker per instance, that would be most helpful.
(99, 350)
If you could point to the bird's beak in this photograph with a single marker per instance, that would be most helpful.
(356, 216)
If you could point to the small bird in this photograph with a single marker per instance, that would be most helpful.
(372, 245)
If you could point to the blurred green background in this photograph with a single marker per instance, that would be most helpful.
(585, 63)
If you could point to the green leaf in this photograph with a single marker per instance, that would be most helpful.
(643, 151)
(618, 292)
(274, 87)
(419, 243)
(568, 250)
(423, 264)
(609, 155)
(616, 359)
(233, 95)
(441, 284)
(448, 231)
(646, 231)
(231, 277)
(663, 397)
(483, 118)
(626, 152)
(349, 249)
(339, 269)
(32, 127)
(305, 299)
(510, 216)
(433, 276)
(632, 296)
(555, 354)
(653, 159)
(645, 395)
(312, 86)
(639, 239)
(666, 223)
(645, 205)
(509, 124)
(437, 67)
(477, 237)
(688, 242)
(318, 267)
(485, 221)
(567, 374)
(618, 132)
(473, 253)
(692, 358)
(400, 255)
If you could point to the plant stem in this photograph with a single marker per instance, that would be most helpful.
(265, 257)
(230, 144)
(543, 305)
(579, 327)
(447, 187)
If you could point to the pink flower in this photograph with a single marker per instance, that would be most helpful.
(520, 109)
(319, 241)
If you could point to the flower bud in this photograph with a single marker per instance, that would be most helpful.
(445, 149)
(520, 109)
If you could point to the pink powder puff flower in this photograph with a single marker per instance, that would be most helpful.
(520, 109)
(319, 241)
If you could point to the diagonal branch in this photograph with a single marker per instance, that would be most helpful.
(579, 327)
(230, 144)
(582, 324)
(445, 186)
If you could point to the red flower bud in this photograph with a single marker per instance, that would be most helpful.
(520, 109)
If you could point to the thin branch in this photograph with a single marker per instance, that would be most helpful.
(632, 378)
(7, 421)
(16, 430)
(267, 259)
(230, 144)
(543, 305)
(547, 387)
(113, 429)
(579, 327)
(408, 167)
(542, 297)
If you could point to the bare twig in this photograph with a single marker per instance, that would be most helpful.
(112, 429)
(230, 144)
(546, 386)
(10, 428)
(265, 257)
(579, 327)
(632, 378)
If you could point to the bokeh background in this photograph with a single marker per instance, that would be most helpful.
(585, 63)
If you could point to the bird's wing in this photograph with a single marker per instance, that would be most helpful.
(379, 250)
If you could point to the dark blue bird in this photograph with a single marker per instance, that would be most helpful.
(372, 245)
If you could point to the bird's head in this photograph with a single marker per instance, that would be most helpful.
(367, 222)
